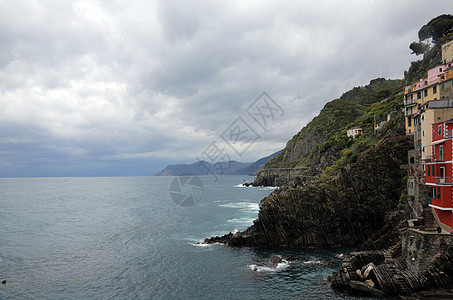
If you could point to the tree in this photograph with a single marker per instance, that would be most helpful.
(436, 28)
(418, 48)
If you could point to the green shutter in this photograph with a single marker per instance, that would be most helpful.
(429, 170)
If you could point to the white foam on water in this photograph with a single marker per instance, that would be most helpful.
(312, 262)
(241, 221)
(243, 206)
(281, 266)
(198, 244)
(256, 187)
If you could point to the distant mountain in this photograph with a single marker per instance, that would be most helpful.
(257, 166)
(222, 168)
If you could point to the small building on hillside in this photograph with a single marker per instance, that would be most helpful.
(447, 52)
(354, 131)
(439, 174)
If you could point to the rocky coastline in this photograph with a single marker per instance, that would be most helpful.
(344, 212)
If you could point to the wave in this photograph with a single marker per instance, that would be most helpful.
(312, 262)
(241, 221)
(256, 187)
(204, 245)
(281, 266)
(244, 206)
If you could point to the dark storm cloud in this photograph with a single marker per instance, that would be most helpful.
(99, 85)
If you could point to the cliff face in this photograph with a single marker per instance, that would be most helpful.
(343, 211)
(318, 145)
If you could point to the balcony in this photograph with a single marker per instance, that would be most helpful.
(410, 102)
(408, 113)
(443, 180)
(449, 133)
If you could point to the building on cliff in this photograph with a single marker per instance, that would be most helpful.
(439, 174)
(447, 52)
(417, 94)
(426, 102)
(354, 131)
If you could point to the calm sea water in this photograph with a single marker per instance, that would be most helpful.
(124, 238)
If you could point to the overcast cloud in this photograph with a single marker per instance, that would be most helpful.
(117, 88)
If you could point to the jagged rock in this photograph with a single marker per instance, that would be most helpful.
(365, 288)
(274, 261)
(370, 282)
(367, 271)
(366, 267)
(359, 274)
(3, 281)
(327, 263)
(290, 257)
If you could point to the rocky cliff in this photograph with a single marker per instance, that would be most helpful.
(345, 210)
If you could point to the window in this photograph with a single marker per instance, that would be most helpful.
(426, 82)
(442, 87)
(440, 69)
(434, 170)
(442, 172)
(440, 130)
(409, 121)
(425, 93)
(434, 89)
(438, 193)
(429, 170)
(441, 153)
(412, 160)
(419, 95)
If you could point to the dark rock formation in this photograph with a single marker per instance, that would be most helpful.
(274, 261)
(391, 277)
(344, 211)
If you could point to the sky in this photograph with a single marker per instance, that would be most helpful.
(124, 88)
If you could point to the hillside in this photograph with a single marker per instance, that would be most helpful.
(323, 140)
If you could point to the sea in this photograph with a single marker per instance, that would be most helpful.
(139, 238)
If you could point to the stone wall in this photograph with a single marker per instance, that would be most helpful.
(420, 248)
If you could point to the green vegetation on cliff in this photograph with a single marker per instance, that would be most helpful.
(324, 139)
(440, 31)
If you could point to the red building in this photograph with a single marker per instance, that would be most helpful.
(439, 174)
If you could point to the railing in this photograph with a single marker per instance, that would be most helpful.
(449, 133)
(443, 180)
(410, 102)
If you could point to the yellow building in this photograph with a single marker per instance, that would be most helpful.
(418, 94)
(430, 113)
(447, 52)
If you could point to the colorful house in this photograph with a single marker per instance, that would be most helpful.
(439, 174)
(426, 89)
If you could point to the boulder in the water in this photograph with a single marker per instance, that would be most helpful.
(3, 281)
(290, 257)
(327, 263)
(274, 261)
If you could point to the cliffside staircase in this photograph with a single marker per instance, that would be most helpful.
(429, 222)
